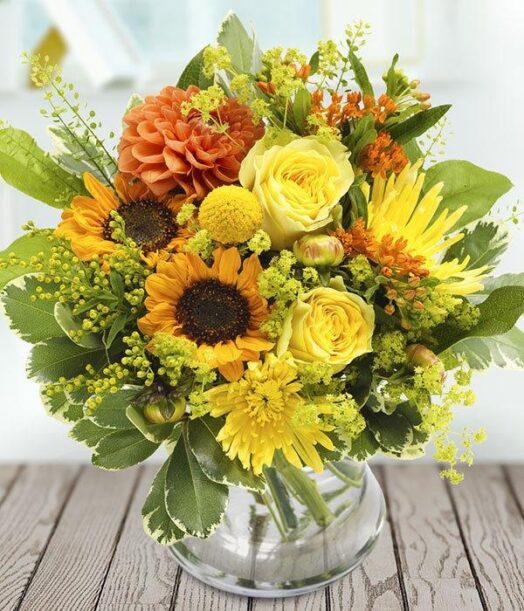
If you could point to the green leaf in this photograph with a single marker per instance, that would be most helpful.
(393, 432)
(59, 356)
(466, 184)
(195, 503)
(241, 46)
(23, 248)
(360, 74)
(498, 315)
(301, 108)
(33, 321)
(496, 282)
(392, 76)
(193, 75)
(364, 446)
(122, 449)
(212, 459)
(483, 244)
(60, 406)
(506, 350)
(117, 327)
(87, 432)
(314, 61)
(412, 150)
(156, 433)
(26, 167)
(67, 322)
(417, 124)
(157, 523)
(111, 412)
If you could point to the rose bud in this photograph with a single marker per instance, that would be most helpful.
(319, 250)
(165, 410)
(420, 356)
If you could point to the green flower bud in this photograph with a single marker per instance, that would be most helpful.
(319, 250)
(165, 410)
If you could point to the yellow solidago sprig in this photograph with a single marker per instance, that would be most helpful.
(207, 102)
(265, 412)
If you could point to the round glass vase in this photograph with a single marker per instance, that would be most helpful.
(305, 531)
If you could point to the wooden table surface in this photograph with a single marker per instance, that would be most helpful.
(71, 539)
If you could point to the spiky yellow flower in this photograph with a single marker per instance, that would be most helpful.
(150, 221)
(219, 307)
(264, 411)
(396, 209)
(231, 214)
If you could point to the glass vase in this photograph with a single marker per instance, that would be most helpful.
(305, 531)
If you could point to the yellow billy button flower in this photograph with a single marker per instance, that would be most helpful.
(319, 251)
(230, 214)
(263, 414)
(328, 324)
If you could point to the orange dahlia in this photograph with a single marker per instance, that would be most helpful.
(170, 151)
(150, 221)
(218, 307)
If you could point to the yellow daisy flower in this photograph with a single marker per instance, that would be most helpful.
(395, 209)
(262, 417)
(149, 221)
(218, 307)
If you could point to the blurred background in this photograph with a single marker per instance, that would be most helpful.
(467, 52)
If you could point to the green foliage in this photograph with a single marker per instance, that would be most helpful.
(111, 411)
(195, 503)
(157, 522)
(364, 446)
(496, 282)
(243, 48)
(301, 108)
(484, 244)
(87, 432)
(417, 124)
(156, 433)
(29, 316)
(212, 459)
(360, 74)
(72, 327)
(26, 167)
(364, 134)
(122, 449)
(24, 249)
(506, 350)
(61, 407)
(193, 74)
(466, 184)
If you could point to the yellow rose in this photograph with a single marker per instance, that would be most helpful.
(328, 324)
(298, 185)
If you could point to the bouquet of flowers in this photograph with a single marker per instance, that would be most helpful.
(266, 271)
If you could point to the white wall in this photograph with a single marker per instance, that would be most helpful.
(471, 54)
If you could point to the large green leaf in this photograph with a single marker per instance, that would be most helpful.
(242, 47)
(25, 166)
(212, 459)
(364, 446)
(393, 432)
(466, 184)
(498, 315)
(61, 407)
(65, 318)
(24, 248)
(111, 412)
(496, 282)
(360, 74)
(193, 75)
(122, 449)
(301, 108)
(195, 503)
(60, 357)
(30, 317)
(483, 244)
(505, 350)
(87, 432)
(156, 520)
(417, 124)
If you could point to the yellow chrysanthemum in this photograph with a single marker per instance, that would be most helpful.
(231, 214)
(149, 221)
(396, 209)
(262, 409)
(218, 307)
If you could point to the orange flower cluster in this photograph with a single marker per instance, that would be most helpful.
(355, 107)
(383, 156)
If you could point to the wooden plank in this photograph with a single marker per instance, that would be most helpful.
(27, 518)
(8, 474)
(435, 567)
(316, 601)
(493, 529)
(73, 569)
(143, 573)
(193, 594)
(515, 477)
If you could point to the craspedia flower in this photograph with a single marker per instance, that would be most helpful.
(219, 308)
(264, 413)
(231, 214)
(149, 221)
(170, 150)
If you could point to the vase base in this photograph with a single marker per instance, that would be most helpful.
(255, 561)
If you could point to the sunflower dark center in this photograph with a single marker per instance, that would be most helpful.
(211, 312)
(150, 224)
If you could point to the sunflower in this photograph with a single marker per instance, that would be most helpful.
(218, 307)
(149, 221)
(398, 216)
(264, 410)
